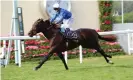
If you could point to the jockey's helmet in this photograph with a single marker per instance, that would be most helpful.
(56, 5)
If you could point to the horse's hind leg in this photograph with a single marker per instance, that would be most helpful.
(104, 55)
(63, 60)
(102, 52)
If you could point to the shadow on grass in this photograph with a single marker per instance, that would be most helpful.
(86, 68)
(123, 66)
(99, 67)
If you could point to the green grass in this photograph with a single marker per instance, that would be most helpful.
(91, 69)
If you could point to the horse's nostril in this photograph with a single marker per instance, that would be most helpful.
(30, 34)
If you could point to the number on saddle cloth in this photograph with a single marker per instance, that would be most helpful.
(67, 33)
(71, 34)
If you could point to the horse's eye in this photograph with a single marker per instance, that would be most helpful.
(34, 28)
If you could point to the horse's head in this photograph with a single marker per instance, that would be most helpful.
(39, 26)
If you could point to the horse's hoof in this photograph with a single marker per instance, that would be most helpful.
(110, 56)
(110, 62)
(3, 66)
(17, 64)
(35, 69)
(67, 69)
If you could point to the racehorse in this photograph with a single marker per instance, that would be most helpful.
(88, 39)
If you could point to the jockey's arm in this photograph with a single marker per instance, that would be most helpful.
(53, 18)
(60, 21)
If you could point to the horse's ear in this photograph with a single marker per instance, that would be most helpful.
(38, 19)
(41, 19)
(47, 21)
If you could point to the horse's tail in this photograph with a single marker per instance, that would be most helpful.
(110, 39)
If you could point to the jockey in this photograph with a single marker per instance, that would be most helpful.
(64, 18)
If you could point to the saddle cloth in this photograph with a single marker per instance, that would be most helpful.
(70, 34)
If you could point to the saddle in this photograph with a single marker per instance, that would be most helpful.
(71, 35)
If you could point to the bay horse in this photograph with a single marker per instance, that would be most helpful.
(88, 39)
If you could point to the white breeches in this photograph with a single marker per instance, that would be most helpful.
(67, 23)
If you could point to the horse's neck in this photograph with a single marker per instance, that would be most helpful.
(49, 34)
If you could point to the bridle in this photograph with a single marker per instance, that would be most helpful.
(49, 27)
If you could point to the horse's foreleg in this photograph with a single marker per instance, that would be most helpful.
(105, 55)
(63, 60)
(45, 58)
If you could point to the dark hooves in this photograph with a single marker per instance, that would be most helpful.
(3, 66)
(110, 62)
(67, 69)
(110, 56)
(35, 69)
(17, 64)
